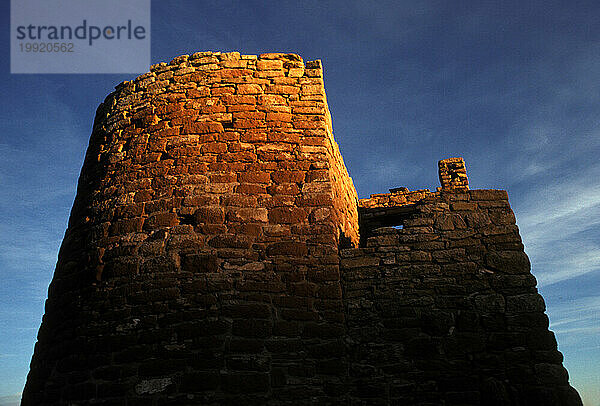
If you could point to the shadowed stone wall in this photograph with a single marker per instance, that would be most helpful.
(205, 262)
(442, 308)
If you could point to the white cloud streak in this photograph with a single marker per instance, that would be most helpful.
(560, 222)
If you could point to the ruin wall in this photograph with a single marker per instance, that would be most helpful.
(217, 254)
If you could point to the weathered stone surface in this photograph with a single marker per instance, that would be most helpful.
(527, 303)
(511, 262)
(477, 312)
(213, 257)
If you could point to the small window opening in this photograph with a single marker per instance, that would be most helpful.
(371, 219)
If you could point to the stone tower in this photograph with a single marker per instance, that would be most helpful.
(214, 256)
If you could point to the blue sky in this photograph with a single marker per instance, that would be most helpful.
(511, 86)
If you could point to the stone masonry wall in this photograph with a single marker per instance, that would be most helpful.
(452, 174)
(213, 257)
(201, 258)
(442, 309)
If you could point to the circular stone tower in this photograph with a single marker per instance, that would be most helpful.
(201, 264)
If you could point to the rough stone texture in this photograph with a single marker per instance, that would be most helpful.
(212, 257)
(453, 174)
(444, 310)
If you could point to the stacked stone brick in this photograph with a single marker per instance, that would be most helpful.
(444, 310)
(396, 197)
(453, 174)
(203, 240)
(204, 262)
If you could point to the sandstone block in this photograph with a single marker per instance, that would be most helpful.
(255, 177)
(289, 248)
(287, 215)
(223, 178)
(202, 127)
(510, 262)
(490, 303)
(209, 215)
(249, 88)
(250, 189)
(199, 263)
(126, 226)
(287, 176)
(477, 220)
(531, 302)
(283, 117)
(296, 72)
(271, 100)
(254, 214)
(161, 220)
(229, 241)
(269, 64)
(214, 147)
(283, 89)
(359, 262)
(232, 100)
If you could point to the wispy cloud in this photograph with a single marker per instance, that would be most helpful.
(576, 323)
(560, 224)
